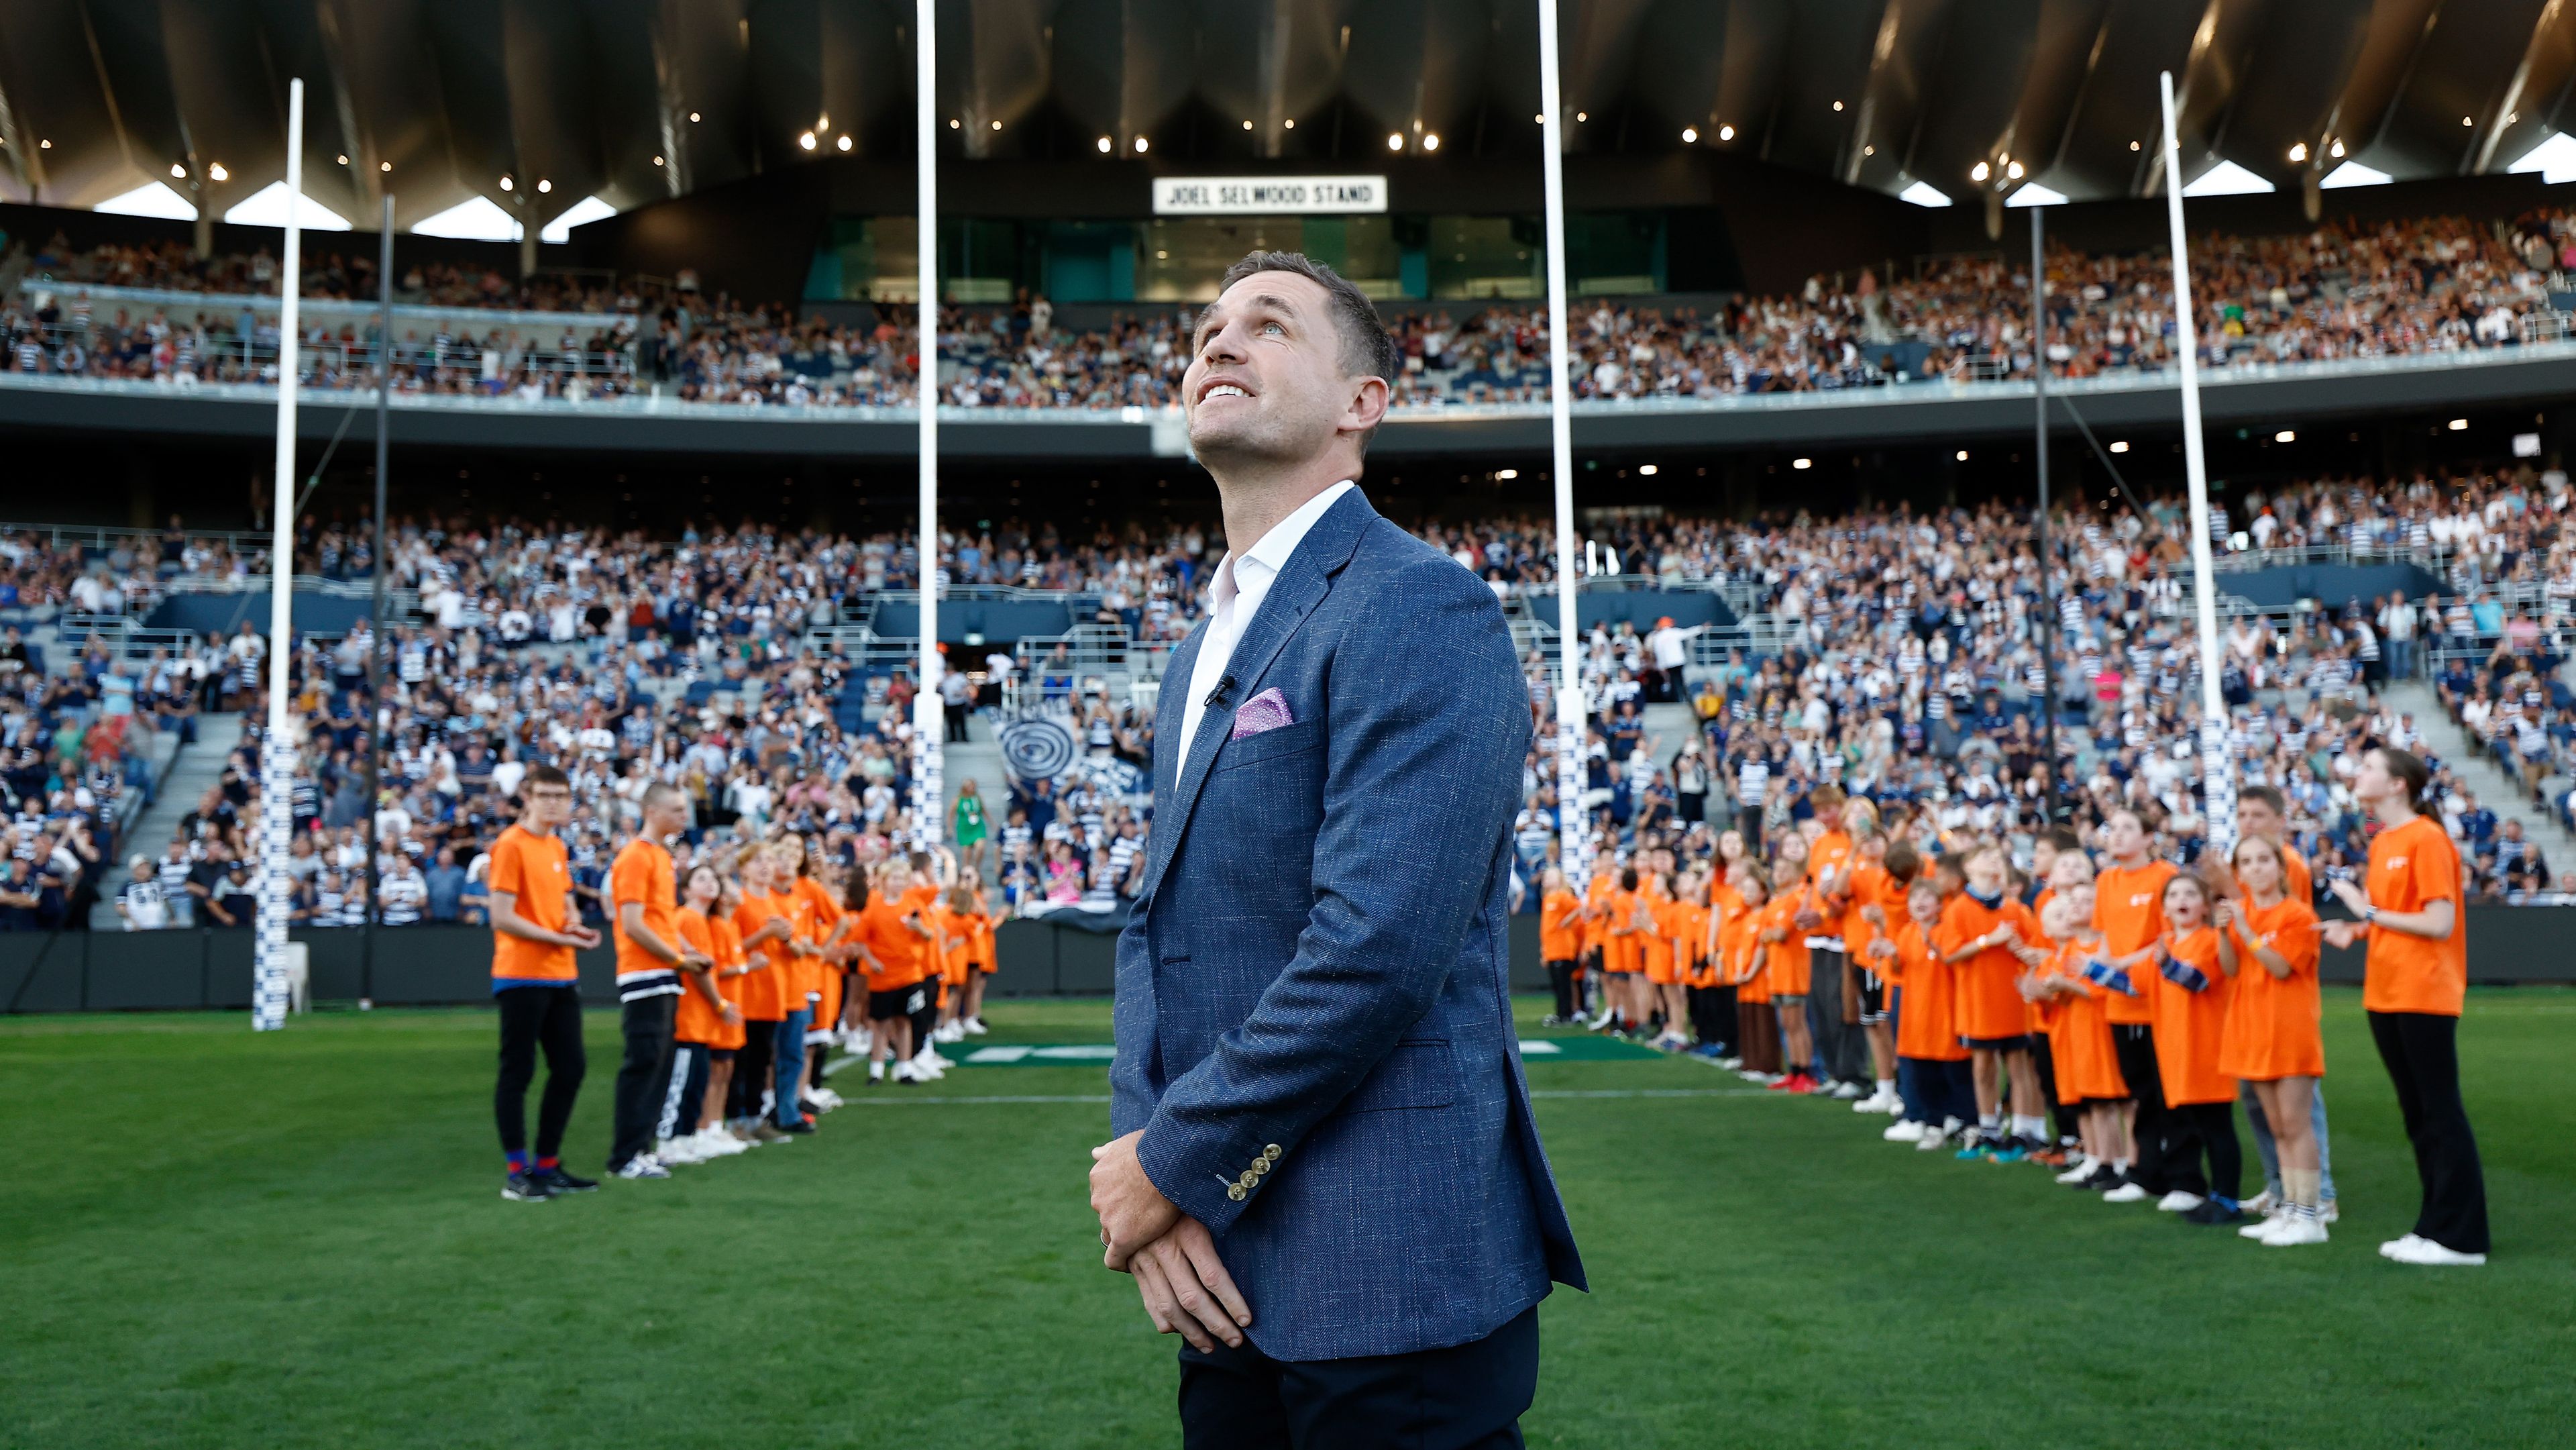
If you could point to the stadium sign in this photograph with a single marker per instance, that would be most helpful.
(1267, 195)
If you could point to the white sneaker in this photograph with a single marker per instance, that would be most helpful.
(974, 1026)
(2295, 1229)
(1846, 1091)
(674, 1153)
(902, 1071)
(828, 1098)
(2077, 1171)
(2270, 1224)
(948, 1031)
(2393, 1247)
(2262, 1203)
(2327, 1212)
(1895, 1105)
(1749, 1075)
(856, 1040)
(1932, 1140)
(2433, 1255)
(717, 1143)
(1903, 1132)
(2125, 1193)
(876, 1070)
(1731, 1064)
(937, 1058)
(2179, 1202)
(642, 1165)
(928, 1068)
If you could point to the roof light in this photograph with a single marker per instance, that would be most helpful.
(1394, 141)
(178, 171)
(844, 142)
(1583, 115)
(2013, 170)
(1140, 145)
(384, 166)
(1290, 123)
(2285, 436)
(2335, 150)
(1690, 134)
(1431, 141)
(806, 140)
(1726, 133)
(1507, 474)
(1963, 455)
(2299, 152)
(693, 115)
(1802, 463)
(505, 183)
(1980, 172)
(1247, 125)
(2120, 445)
(997, 125)
(1105, 145)
(218, 172)
(1838, 105)
(2459, 425)
(657, 160)
(544, 186)
(344, 160)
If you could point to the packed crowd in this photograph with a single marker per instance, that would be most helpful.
(2341, 291)
(1903, 666)
(76, 766)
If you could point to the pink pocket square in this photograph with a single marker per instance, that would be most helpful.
(1265, 711)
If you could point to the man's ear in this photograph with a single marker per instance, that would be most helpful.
(1367, 407)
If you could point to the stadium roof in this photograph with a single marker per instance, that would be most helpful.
(536, 105)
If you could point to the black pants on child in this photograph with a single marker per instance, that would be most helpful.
(2069, 1128)
(534, 1018)
(2422, 1053)
(644, 1077)
(2134, 1043)
(1560, 980)
(751, 1069)
(2194, 1131)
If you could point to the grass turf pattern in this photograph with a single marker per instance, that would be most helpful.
(216, 1239)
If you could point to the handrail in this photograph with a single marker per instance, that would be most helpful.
(267, 302)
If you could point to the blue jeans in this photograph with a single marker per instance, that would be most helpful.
(2265, 1145)
(789, 1063)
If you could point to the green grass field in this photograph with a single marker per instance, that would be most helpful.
(298, 1240)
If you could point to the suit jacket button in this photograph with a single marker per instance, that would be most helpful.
(1235, 1191)
(1272, 1152)
(1246, 1181)
(1260, 1166)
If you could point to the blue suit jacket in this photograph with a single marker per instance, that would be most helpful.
(1313, 1016)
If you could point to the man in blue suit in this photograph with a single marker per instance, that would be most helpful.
(1325, 1175)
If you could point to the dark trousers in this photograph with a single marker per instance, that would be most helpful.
(2422, 1053)
(1757, 1035)
(750, 1069)
(1560, 980)
(1466, 1397)
(1712, 1012)
(1825, 1012)
(2194, 1131)
(643, 1077)
(2134, 1043)
(687, 1093)
(1936, 1092)
(533, 1018)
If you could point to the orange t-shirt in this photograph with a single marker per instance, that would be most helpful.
(2129, 912)
(1989, 1003)
(1740, 943)
(697, 1021)
(2274, 1023)
(1787, 960)
(2190, 1024)
(1927, 1026)
(537, 874)
(764, 988)
(1655, 939)
(2411, 867)
(2079, 1036)
(1620, 951)
(642, 875)
(1691, 966)
(1596, 931)
(897, 951)
(1560, 939)
(1832, 853)
(825, 911)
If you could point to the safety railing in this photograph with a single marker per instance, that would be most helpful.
(477, 319)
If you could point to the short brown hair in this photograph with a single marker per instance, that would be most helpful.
(544, 775)
(2410, 769)
(1367, 349)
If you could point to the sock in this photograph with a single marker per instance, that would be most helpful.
(2120, 1166)
(548, 1163)
(2029, 1127)
(1887, 1087)
(1990, 1124)
(519, 1161)
(2299, 1185)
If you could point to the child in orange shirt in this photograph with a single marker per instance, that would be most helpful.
(2272, 1043)
(1786, 964)
(1981, 930)
(1560, 942)
(2191, 995)
(1876, 913)
(707, 1030)
(1757, 1022)
(2086, 1070)
(1932, 1073)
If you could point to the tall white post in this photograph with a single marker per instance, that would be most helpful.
(2217, 774)
(928, 720)
(1574, 838)
(277, 752)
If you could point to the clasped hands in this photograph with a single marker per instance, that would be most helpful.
(1170, 1254)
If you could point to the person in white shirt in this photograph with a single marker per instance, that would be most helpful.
(142, 904)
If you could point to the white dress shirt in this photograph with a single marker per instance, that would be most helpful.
(1242, 581)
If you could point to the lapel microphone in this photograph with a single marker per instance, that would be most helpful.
(1216, 698)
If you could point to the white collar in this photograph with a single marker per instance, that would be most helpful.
(1273, 550)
